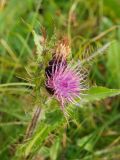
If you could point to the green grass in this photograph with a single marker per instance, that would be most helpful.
(92, 129)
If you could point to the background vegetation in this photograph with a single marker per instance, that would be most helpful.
(93, 132)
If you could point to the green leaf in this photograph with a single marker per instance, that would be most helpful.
(55, 149)
(98, 93)
(86, 142)
(54, 117)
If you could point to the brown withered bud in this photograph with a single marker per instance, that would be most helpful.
(62, 49)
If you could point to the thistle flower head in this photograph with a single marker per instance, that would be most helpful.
(65, 81)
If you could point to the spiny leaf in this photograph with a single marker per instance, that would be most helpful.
(99, 93)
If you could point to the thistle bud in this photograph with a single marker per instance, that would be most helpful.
(62, 49)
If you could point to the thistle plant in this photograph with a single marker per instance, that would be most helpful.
(47, 108)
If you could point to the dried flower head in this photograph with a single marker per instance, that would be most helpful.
(62, 49)
(66, 82)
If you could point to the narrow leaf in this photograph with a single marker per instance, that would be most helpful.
(99, 93)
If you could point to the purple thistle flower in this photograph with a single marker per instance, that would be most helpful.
(65, 81)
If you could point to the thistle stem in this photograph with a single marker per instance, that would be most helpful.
(33, 123)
